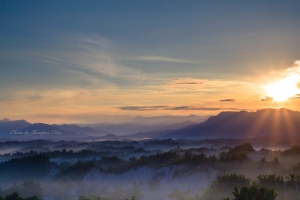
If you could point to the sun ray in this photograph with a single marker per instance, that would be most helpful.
(258, 128)
(290, 126)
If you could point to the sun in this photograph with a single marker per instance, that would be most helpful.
(284, 89)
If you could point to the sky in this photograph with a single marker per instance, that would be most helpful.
(82, 61)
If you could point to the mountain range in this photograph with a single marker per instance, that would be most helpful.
(141, 125)
(9, 128)
(85, 130)
(242, 124)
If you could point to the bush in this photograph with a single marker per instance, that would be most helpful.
(91, 198)
(238, 153)
(16, 196)
(253, 193)
(37, 166)
(26, 189)
(76, 171)
(294, 150)
(230, 180)
(95, 197)
(271, 181)
(296, 168)
(223, 186)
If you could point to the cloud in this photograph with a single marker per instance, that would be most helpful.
(289, 81)
(166, 59)
(267, 99)
(203, 85)
(92, 55)
(293, 70)
(186, 81)
(66, 61)
(192, 108)
(143, 108)
(162, 107)
(297, 96)
(228, 100)
(297, 62)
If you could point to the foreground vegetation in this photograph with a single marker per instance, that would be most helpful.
(253, 193)
(268, 185)
(273, 173)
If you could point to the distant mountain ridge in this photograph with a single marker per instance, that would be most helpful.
(277, 122)
(6, 125)
(5, 120)
(147, 124)
(79, 129)
(155, 134)
(69, 130)
(242, 124)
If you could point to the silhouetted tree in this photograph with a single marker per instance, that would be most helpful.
(223, 185)
(271, 181)
(253, 193)
(16, 196)
(238, 153)
(296, 168)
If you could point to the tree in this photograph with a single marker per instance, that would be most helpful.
(271, 181)
(296, 168)
(30, 188)
(16, 196)
(253, 192)
(95, 197)
(91, 198)
(230, 180)
(33, 167)
(223, 185)
(292, 186)
(238, 153)
(27, 189)
(176, 194)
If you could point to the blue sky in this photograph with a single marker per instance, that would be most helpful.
(94, 57)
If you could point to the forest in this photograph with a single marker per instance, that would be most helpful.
(170, 169)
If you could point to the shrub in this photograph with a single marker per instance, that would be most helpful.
(253, 192)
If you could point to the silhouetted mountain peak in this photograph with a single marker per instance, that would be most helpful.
(6, 126)
(41, 126)
(79, 129)
(5, 120)
(73, 127)
(244, 124)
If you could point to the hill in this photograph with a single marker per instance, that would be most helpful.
(275, 122)
(78, 129)
(7, 125)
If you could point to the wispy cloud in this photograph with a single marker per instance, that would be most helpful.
(293, 70)
(193, 108)
(296, 97)
(143, 108)
(267, 99)
(92, 54)
(166, 59)
(186, 81)
(227, 100)
(175, 108)
(204, 85)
